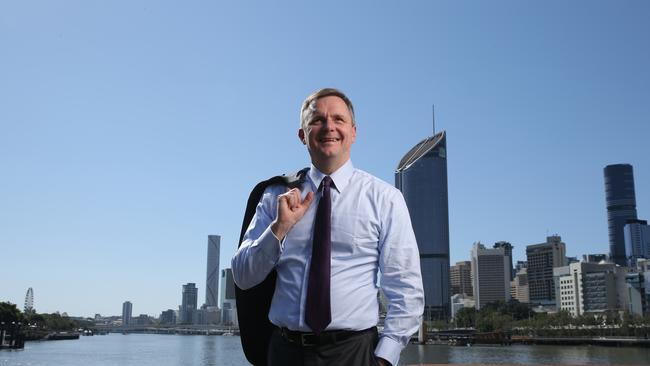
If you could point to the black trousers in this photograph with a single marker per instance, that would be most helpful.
(357, 350)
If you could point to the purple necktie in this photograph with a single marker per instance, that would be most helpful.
(317, 309)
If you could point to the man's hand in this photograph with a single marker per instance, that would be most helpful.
(382, 362)
(291, 208)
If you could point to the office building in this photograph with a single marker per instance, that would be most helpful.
(188, 304)
(595, 258)
(520, 265)
(507, 247)
(621, 207)
(542, 258)
(168, 317)
(421, 175)
(490, 275)
(519, 287)
(127, 312)
(589, 288)
(636, 234)
(228, 304)
(460, 276)
(212, 272)
(637, 292)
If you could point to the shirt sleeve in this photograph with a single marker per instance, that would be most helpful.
(260, 249)
(401, 281)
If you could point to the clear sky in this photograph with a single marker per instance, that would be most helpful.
(131, 130)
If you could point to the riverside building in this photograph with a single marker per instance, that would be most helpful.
(542, 258)
(421, 175)
(621, 207)
(461, 278)
(187, 311)
(490, 275)
(127, 312)
(590, 288)
(637, 240)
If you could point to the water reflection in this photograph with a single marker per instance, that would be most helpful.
(525, 355)
(174, 350)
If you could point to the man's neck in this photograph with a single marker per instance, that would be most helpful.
(328, 168)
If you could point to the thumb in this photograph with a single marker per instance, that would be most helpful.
(308, 198)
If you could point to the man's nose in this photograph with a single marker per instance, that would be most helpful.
(329, 124)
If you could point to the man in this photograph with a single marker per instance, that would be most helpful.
(327, 241)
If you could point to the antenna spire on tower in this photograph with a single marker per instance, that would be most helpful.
(433, 113)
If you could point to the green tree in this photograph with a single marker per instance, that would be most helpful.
(466, 318)
(10, 313)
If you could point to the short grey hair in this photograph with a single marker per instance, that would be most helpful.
(309, 105)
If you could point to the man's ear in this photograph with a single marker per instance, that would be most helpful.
(301, 136)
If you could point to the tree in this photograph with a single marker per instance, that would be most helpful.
(466, 318)
(9, 313)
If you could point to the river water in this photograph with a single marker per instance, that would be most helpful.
(177, 350)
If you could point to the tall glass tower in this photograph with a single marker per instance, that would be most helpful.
(212, 272)
(621, 206)
(422, 177)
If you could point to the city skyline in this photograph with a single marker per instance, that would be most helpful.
(123, 147)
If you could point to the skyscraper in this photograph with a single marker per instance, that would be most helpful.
(461, 278)
(127, 311)
(228, 304)
(188, 305)
(542, 258)
(621, 206)
(490, 275)
(637, 240)
(422, 177)
(212, 272)
(507, 247)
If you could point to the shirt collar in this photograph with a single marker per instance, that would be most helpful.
(341, 177)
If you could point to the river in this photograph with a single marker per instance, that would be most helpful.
(177, 350)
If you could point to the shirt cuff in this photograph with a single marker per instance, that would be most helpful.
(389, 350)
(270, 245)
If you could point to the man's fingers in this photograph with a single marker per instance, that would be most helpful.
(308, 199)
(293, 199)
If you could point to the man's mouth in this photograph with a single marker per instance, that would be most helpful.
(329, 139)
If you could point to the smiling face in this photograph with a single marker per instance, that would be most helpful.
(329, 133)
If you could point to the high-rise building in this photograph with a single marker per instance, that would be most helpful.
(29, 301)
(520, 265)
(594, 258)
(212, 272)
(168, 317)
(637, 240)
(507, 247)
(588, 288)
(637, 293)
(127, 312)
(519, 286)
(228, 304)
(542, 258)
(460, 276)
(189, 303)
(621, 206)
(490, 275)
(422, 177)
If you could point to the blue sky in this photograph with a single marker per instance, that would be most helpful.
(130, 131)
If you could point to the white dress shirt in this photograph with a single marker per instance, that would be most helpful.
(371, 232)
